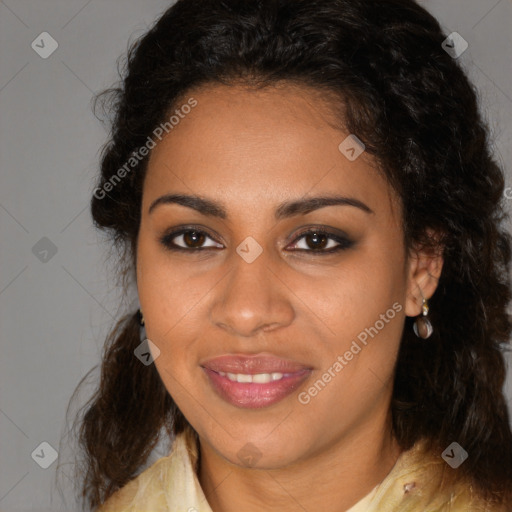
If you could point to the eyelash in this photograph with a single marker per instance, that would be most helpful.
(344, 242)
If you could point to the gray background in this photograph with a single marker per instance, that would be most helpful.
(54, 315)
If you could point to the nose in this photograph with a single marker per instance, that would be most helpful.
(252, 298)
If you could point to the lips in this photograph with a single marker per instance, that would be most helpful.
(254, 381)
(252, 365)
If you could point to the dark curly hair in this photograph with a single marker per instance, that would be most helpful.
(415, 110)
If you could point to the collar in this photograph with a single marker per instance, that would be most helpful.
(419, 480)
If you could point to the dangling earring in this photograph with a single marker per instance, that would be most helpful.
(422, 326)
(141, 318)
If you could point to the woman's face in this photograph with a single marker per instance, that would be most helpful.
(317, 318)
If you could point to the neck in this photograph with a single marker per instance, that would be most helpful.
(341, 475)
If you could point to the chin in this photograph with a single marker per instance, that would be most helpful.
(251, 449)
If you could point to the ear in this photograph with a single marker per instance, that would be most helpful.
(423, 272)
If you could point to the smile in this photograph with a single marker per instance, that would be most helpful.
(254, 381)
(259, 378)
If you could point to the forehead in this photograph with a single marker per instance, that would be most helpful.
(247, 147)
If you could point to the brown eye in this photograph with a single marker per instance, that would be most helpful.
(193, 238)
(318, 240)
(322, 242)
(188, 240)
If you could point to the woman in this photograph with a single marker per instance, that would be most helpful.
(308, 205)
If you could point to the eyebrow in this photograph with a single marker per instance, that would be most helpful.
(284, 210)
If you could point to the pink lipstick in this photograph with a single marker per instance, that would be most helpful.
(254, 381)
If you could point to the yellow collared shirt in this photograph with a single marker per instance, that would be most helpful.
(413, 485)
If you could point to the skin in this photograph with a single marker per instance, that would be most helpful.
(252, 150)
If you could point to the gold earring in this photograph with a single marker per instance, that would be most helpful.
(422, 326)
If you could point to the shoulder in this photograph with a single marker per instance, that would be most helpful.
(464, 498)
(422, 480)
(148, 487)
(168, 484)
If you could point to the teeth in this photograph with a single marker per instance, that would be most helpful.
(262, 378)
(259, 378)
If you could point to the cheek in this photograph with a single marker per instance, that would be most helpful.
(366, 315)
(166, 293)
(357, 372)
(173, 297)
(363, 288)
